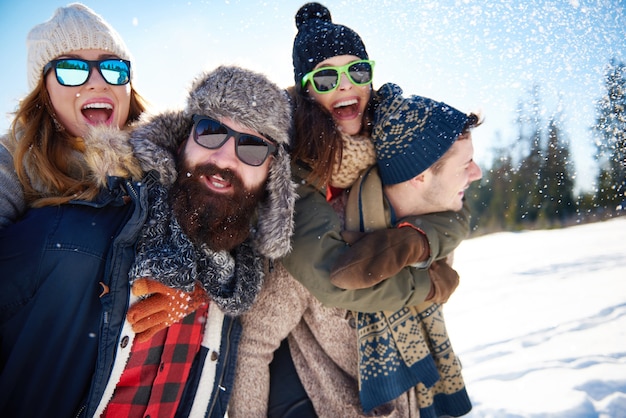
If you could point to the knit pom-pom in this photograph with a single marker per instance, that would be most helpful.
(311, 11)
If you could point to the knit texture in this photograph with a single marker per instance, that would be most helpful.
(165, 253)
(250, 99)
(13, 202)
(318, 39)
(405, 349)
(162, 306)
(71, 28)
(323, 344)
(357, 155)
(408, 349)
(412, 133)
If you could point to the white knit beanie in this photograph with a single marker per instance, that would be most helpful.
(71, 28)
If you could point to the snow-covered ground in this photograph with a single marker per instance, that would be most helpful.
(539, 322)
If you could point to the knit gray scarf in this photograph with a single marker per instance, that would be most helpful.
(165, 253)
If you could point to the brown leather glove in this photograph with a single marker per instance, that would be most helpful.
(163, 307)
(443, 281)
(378, 255)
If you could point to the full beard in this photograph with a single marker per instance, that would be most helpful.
(220, 221)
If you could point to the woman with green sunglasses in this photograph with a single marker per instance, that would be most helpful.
(342, 85)
(301, 320)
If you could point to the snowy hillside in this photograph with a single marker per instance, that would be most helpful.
(539, 322)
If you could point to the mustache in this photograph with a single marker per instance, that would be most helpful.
(209, 169)
(218, 220)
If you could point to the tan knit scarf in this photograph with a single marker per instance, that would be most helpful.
(409, 348)
(358, 154)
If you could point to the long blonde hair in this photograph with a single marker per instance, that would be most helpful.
(46, 156)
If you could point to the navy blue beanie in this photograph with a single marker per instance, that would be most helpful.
(411, 134)
(318, 39)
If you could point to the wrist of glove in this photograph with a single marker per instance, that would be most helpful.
(443, 281)
(161, 307)
(378, 255)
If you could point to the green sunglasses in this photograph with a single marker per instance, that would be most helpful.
(326, 79)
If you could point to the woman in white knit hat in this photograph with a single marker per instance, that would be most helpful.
(79, 75)
(106, 212)
(51, 308)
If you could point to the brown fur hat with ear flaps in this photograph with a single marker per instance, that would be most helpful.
(251, 100)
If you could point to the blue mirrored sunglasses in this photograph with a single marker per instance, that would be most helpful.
(74, 72)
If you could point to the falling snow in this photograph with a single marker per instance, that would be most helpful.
(539, 319)
(475, 55)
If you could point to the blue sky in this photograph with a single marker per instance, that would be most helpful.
(474, 55)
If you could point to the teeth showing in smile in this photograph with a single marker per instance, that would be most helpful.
(98, 106)
(218, 182)
(98, 112)
(345, 103)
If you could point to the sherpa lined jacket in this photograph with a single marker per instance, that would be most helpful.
(88, 339)
(67, 364)
(308, 310)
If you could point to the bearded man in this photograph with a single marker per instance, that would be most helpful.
(128, 305)
(212, 224)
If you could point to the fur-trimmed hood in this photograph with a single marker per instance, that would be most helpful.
(227, 92)
(153, 143)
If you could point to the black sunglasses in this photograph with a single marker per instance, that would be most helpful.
(74, 72)
(250, 149)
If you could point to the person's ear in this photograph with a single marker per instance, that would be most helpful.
(420, 178)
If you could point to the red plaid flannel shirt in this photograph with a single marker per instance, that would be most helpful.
(154, 378)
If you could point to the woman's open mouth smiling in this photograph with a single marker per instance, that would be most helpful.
(346, 109)
(97, 112)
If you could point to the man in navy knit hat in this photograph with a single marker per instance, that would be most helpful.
(425, 163)
(424, 155)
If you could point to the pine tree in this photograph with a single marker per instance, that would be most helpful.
(610, 133)
(494, 200)
(528, 181)
(557, 182)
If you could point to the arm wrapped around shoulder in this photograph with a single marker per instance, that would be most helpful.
(444, 230)
(377, 255)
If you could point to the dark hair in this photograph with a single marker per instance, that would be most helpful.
(473, 120)
(317, 141)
